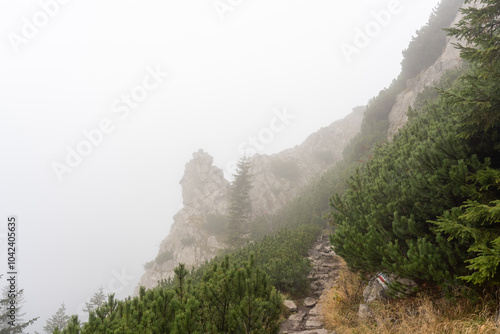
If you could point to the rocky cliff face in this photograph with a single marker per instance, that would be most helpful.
(450, 58)
(276, 180)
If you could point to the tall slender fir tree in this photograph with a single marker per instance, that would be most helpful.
(240, 204)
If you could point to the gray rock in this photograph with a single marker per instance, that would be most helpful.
(364, 312)
(310, 302)
(374, 291)
(289, 304)
(314, 323)
(315, 311)
(298, 317)
(293, 323)
(315, 331)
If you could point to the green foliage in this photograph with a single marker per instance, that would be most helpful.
(240, 204)
(479, 92)
(97, 300)
(286, 169)
(375, 125)
(231, 298)
(428, 43)
(382, 218)
(477, 223)
(164, 257)
(241, 299)
(13, 324)
(283, 256)
(58, 321)
(431, 170)
(477, 105)
(422, 52)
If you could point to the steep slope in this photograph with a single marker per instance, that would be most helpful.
(449, 59)
(197, 233)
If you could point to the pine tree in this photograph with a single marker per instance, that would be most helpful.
(73, 326)
(479, 93)
(240, 204)
(476, 223)
(98, 299)
(58, 321)
(9, 325)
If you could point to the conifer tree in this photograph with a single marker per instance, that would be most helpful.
(98, 299)
(476, 223)
(240, 204)
(479, 32)
(7, 324)
(58, 321)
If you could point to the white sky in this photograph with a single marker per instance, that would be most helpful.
(225, 79)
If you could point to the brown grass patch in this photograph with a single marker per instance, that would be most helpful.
(421, 314)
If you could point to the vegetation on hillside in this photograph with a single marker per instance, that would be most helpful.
(424, 49)
(426, 206)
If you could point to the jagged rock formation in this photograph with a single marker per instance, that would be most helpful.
(276, 180)
(204, 193)
(449, 59)
(279, 177)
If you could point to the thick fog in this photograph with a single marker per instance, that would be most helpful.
(103, 102)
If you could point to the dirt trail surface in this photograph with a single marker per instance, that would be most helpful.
(306, 314)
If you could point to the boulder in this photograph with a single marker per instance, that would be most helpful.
(289, 304)
(374, 291)
(310, 302)
(364, 312)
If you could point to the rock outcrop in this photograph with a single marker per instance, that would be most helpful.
(279, 177)
(204, 193)
(276, 180)
(449, 59)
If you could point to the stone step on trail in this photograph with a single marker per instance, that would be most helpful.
(306, 314)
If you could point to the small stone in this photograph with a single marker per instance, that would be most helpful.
(315, 311)
(310, 302)
(374, 291)
(313, 324)
(289, 304)
(297, 317)
(315, 331)
(364, 312)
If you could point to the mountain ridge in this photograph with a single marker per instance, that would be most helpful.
(277, 179)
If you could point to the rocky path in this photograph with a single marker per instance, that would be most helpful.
(306, 313)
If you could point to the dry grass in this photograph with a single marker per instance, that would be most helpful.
(421, 314)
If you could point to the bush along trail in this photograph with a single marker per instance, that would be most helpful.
(305, 315)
